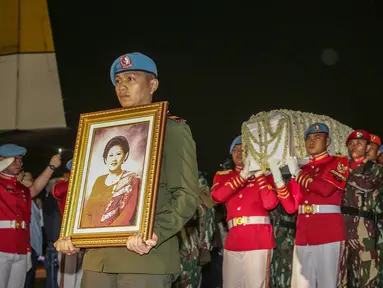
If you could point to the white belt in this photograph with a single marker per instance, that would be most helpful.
(318, 209)
(245, 220)
(12, 224)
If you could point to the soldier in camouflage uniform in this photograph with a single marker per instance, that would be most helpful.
(207, 221)
(196, 240)
(284, 233)
(373, 153)
(380, 155)
(362, 208)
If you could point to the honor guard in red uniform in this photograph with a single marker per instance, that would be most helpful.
(15, 216)
(60, 190)
(316, 192)
(250, 240)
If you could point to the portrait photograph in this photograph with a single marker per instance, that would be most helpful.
(115, 174)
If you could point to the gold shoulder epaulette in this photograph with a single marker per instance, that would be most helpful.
(224, 172)
(339, 155)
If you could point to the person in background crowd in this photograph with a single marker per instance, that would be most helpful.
(196, 240)
(207, 224)
(379, 160)
(380, 155)
(70, 270)
(372, 153)
(212, 272)
(156, 262)
(52, 224)
(362, 209)
(60, 189)
(284, 225)
(15, 215)
(26, 179)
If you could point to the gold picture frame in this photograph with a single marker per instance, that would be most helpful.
(115, 174)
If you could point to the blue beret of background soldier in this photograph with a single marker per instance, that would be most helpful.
(317, 128)
(17, 153)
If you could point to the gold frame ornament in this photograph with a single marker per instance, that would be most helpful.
(154, 116)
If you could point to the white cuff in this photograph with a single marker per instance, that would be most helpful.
(280, 184)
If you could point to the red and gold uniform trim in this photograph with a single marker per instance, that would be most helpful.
(304, 179)
(283, 192)
(261, 181)
(318, 157)
(235, 182)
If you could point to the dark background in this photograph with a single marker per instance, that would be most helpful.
(219, 64)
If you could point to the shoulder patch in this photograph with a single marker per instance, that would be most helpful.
(224, 172)
(176, 119)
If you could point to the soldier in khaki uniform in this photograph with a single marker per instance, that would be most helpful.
(156, 262)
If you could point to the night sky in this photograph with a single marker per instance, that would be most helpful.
(219, 64)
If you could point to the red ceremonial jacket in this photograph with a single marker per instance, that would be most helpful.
(59, 191)
(251, 197)
(15, 205)
(322, 181)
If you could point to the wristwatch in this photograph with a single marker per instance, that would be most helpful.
(53, 167)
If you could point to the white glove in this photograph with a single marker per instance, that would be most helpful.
(245, 171)
(277, 175)
(29, 261)
(292, 163)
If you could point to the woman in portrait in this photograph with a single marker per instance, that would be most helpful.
(113, 199)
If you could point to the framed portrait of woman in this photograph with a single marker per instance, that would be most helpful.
(115, 175)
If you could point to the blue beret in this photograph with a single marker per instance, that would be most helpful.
(317, 128)
(11, 150)
(237, 141)
(132, 62)
(69, 165)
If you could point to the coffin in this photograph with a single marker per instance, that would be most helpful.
(279, 134)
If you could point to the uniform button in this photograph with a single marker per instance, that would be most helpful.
(307, 216)
(306, 202)
(312, 166)
(239, 208)
(240, 195)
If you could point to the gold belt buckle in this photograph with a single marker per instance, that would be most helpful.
(240, 220)
(18, 224)
(308, 209)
